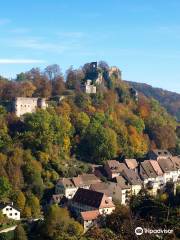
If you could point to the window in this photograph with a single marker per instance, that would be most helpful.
(11, 209)
(7, 209)
(10, 214)
(16, 214)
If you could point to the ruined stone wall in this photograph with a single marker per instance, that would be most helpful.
(24, 105)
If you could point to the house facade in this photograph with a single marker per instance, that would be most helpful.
(88, 200)
(10, 211)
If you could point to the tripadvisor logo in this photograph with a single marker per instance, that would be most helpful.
(139, 231)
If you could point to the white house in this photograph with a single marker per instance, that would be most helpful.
(10, 211)
(66, 187)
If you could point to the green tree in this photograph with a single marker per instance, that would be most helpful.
(5, 188)
(19, 233)
(99, 144)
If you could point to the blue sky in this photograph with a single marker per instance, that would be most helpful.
(141, 37)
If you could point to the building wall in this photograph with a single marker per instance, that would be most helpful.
(106, 211)
(28, 105)
(10, 212)
(68, 192)
(135, 189)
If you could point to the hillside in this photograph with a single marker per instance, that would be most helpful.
(169, 100)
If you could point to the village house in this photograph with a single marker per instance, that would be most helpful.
(176, 163)
(132, 179)
(114, 168)
(125, 189)
(169, 168)
(85, 180)
(10, 211)
(156, 154)
(88, 200)
(66, 187)
(69, 186)
(151, 179)
(89, 219)
(111, 189)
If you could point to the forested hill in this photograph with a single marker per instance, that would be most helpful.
(169, 100)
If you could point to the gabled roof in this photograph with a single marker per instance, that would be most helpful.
(122, 182)
(166, 165)
(115, 166)
(131, 163)
(90, 215)
(91, 198)
(161, 152)
(132, 177)
(4, 205)
(142, 173)
(66, 182)
(85, 179)
(176, 162)
(149, 170)
(88, 197)
(156, 167)
(111, 189)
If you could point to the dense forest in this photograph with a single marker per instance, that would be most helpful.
(75, 130)
(169, 100)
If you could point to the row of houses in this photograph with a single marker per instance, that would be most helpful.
(89, 198)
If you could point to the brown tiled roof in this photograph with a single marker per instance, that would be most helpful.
(89, 198)
(131, 163)
(176, 162)
(156, 167)
(132, 177)
(161, 152)
(111, 189)
(122, 182)
(115, 166)
(85, 179)
(149, 170)
(142, 173)
(66, 182)
(90, 215)
(166, 165)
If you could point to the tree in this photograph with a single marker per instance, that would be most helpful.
(99, 144)
(5, 188)
(81, 122)
(21, 77)
(74, 78)
(34, 204)
(20, 200)
(58, 224)
(19, 233)
(52, 71)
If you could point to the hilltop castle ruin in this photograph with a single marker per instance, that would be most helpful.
(24, 105)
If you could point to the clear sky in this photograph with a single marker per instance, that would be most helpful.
(141, 37)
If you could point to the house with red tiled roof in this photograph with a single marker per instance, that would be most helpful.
(89, 219)
(114, 168)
